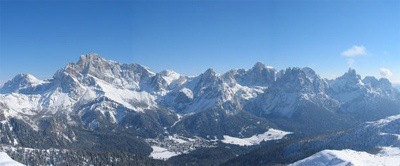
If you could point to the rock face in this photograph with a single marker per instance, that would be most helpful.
(98, 105)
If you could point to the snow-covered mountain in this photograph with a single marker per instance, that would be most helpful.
(19, 82)
(369, 143)
(377, 143)
(388, 156)
(101, 105)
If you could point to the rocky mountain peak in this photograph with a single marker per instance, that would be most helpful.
(375, 83)
(309, 72)
(91, 57)
(258, 75)
(350, 79)
(369, 80)
(208, 75)
(168, 73)
(94, 64)
(294, 79)
(258, 66)
(351, 74)
(385, 82)
(20, 81)
(209, 72)
(294, 72)
(26, 78)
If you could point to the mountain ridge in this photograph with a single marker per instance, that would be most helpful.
(104, 99)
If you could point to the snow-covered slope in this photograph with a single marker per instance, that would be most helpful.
(370, 143)
(389, 156)
(91, 78)
(161, 153)
(271, 134)
(383, 134)
(6, 160)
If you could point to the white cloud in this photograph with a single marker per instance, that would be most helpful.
(354, 51)
(386, 73)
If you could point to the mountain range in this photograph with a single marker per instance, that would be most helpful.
(98, 111)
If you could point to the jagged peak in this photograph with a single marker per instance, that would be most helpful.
(168, 73)
(208, 76)
(350, 74)
(209, 72)
(295, 74)
(90, 56)
(90, 59)
(169, 76)
(309, 70)
(375, 83)
(310, 73)
(292, 70)
(259, 65)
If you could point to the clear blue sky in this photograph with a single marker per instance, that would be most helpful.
(189, 37)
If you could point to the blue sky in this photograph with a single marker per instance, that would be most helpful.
(191, 36)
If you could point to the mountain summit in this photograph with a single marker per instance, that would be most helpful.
(20, 81)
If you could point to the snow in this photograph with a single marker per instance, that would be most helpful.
(58, 100)
(18, 103)
(236, 141)
(271, 134)
(170, 76)
(161, 153)
(93, 124)
(237, 91)
(385, 121)
(176, 139)
(33, 80)
(6, 160)
(387, 156)
(390, 151)
(187, 92)
(89, 95)
(180, 117)
(126, 97)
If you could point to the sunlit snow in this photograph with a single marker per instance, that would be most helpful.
(126, 97)
(161, 153)
(271, 134)
(388, 156)
(6, 160)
